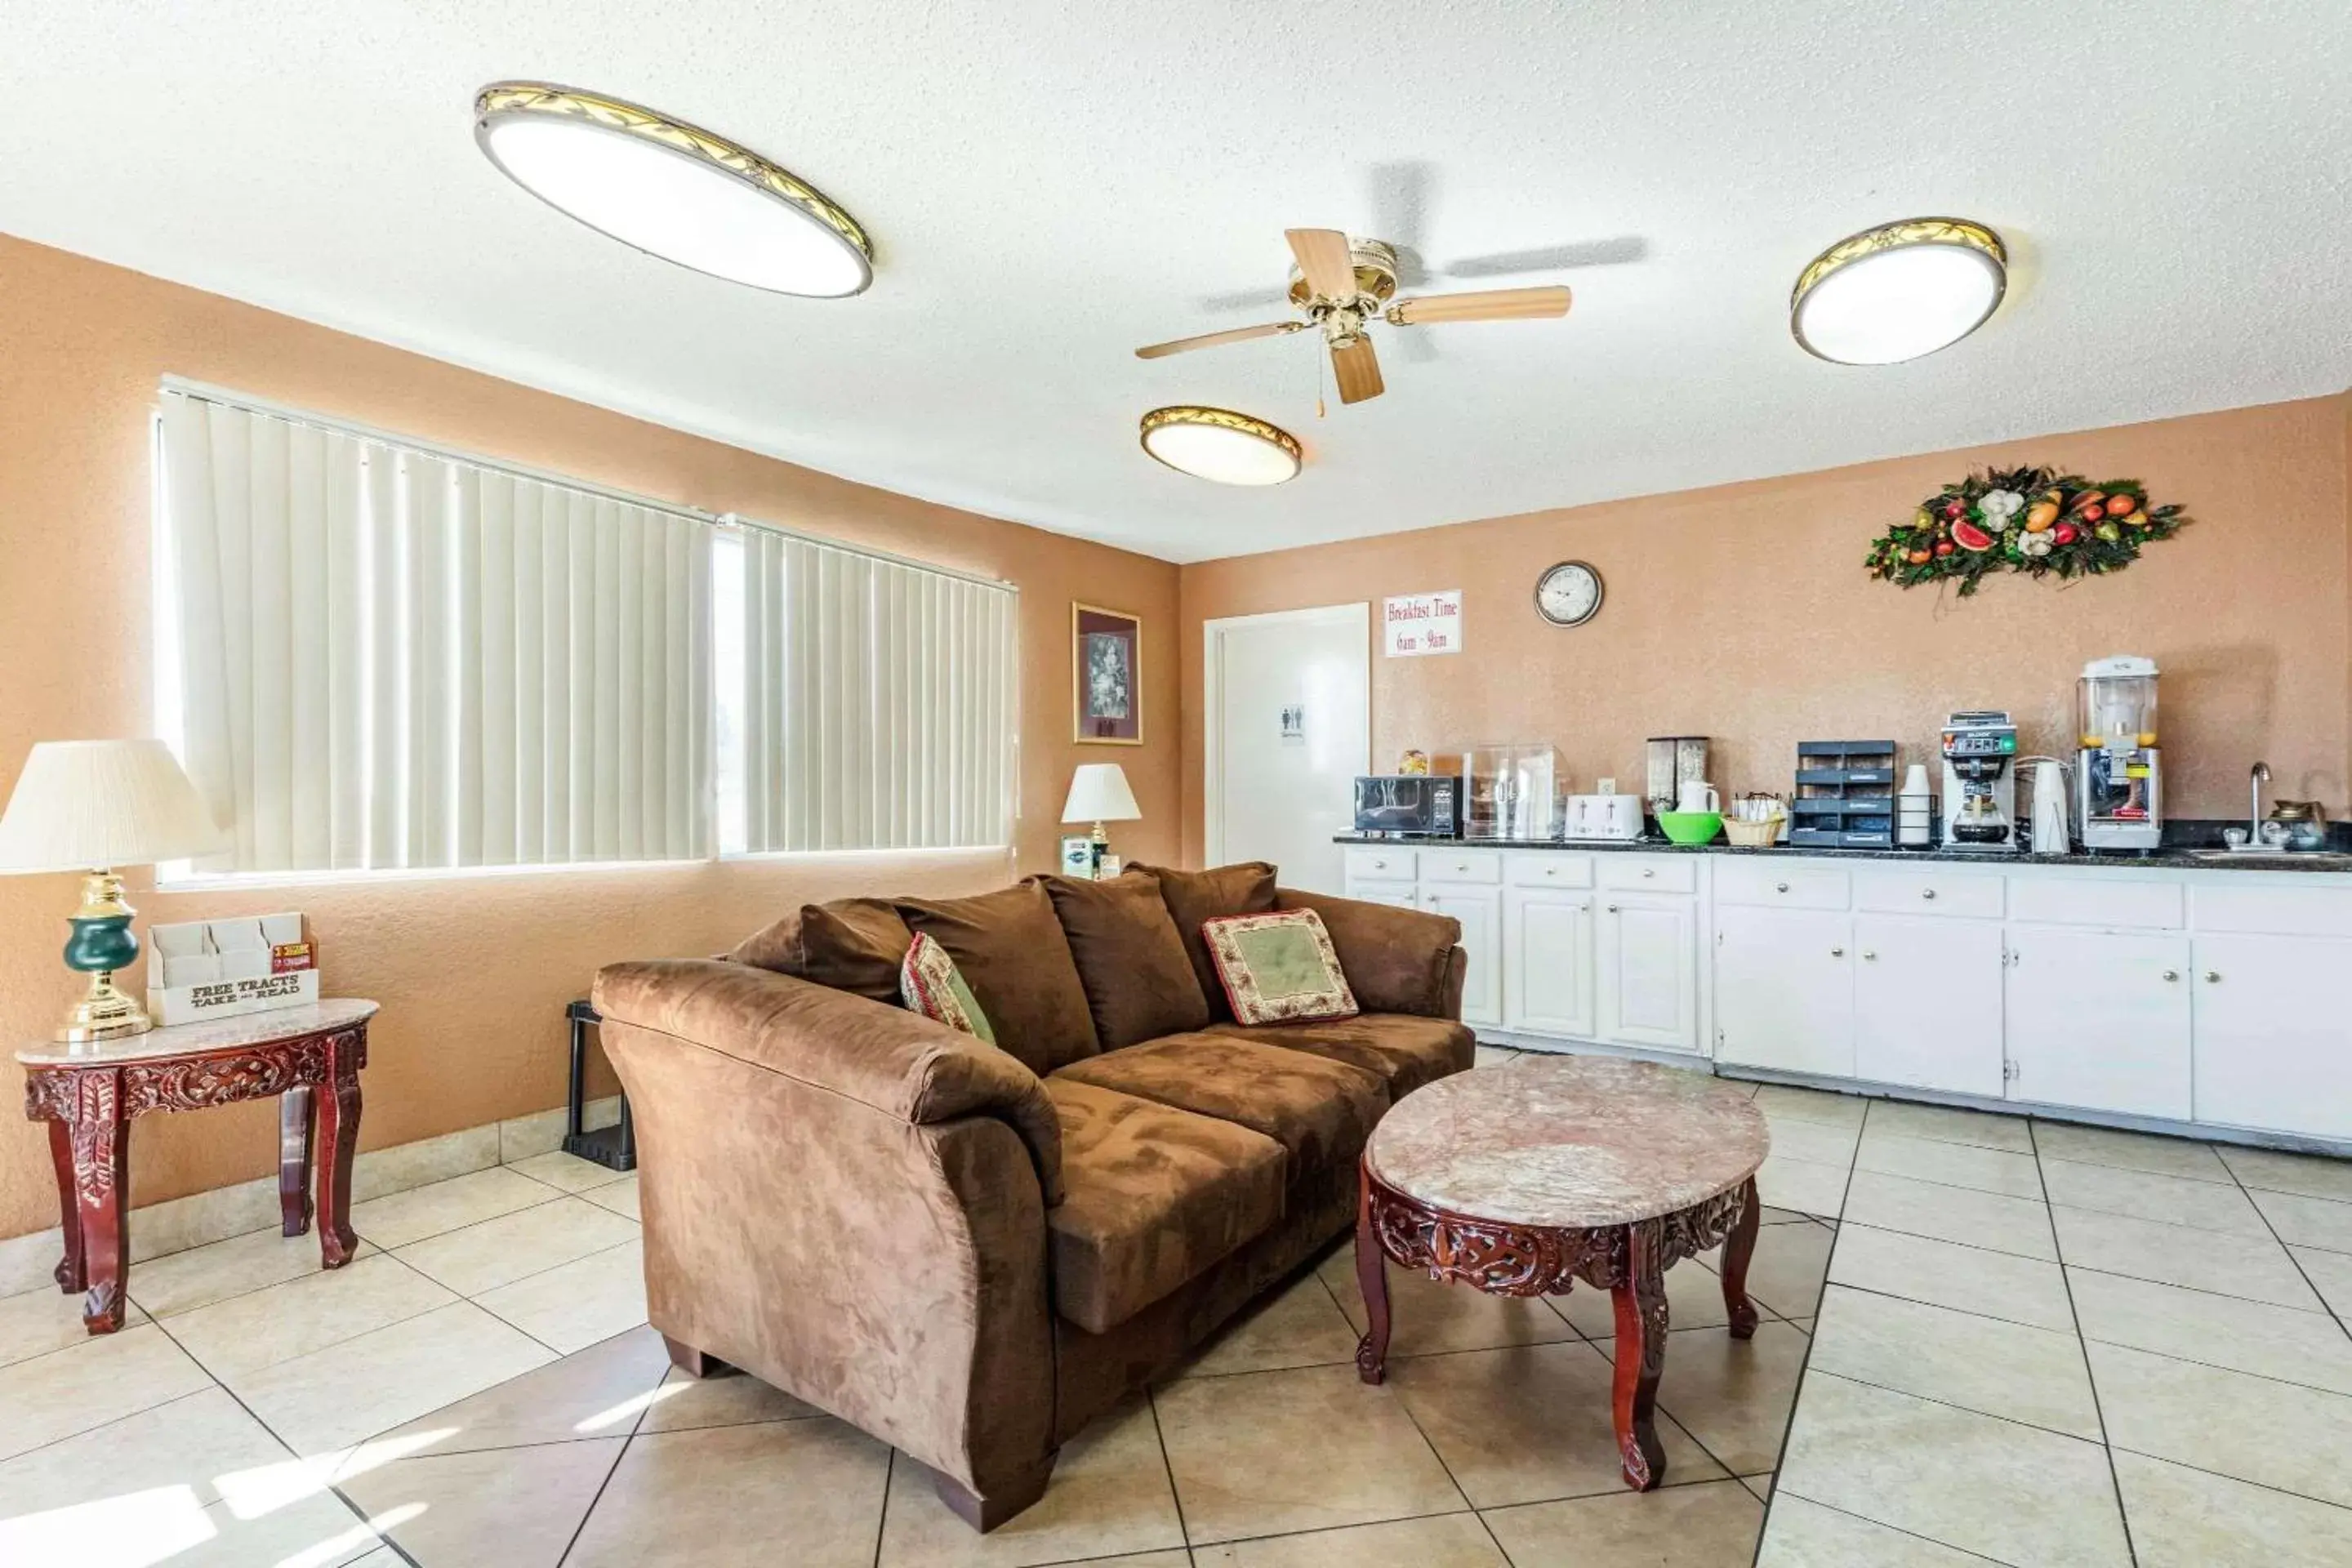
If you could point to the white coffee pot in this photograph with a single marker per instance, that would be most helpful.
(1698, 795)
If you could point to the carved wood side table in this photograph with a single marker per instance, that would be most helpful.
(87, 1093)
(1522, 1181)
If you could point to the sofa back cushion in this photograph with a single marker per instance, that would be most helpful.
(1139, 983)
(851, 945)
(1009, 950)
(1246, 887)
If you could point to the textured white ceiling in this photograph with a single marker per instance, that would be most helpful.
(1052, 184)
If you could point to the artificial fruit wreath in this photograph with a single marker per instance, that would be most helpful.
(2021, 520)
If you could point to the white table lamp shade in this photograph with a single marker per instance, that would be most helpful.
(85, 805)
(1098, 793)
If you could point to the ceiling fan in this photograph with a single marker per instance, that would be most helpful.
(1343, 285)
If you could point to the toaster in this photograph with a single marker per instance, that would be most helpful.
(1603, 817)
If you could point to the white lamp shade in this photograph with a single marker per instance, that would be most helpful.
(87, 805)
(1098, 793)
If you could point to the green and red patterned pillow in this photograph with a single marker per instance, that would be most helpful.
(931, 984)
(1279, 968)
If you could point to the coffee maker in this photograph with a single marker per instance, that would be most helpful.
(1979, 791)
(2119, 780)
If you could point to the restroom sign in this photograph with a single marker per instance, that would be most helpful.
(1423, 623)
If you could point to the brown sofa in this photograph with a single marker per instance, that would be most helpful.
(968, 1250)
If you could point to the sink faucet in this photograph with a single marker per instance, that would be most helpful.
(2261, 776)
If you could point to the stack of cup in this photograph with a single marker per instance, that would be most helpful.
(1915, 810)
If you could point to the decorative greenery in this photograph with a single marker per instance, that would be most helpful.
(2021, 520)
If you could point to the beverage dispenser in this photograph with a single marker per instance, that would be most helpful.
(2120, 782)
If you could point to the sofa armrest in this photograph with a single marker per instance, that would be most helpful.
(891, 1060)
(1396, 961)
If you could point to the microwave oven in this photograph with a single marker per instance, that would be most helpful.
(1418, 806)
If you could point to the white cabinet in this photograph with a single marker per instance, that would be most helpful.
(1480, 910)
(2274, 1036)
(1547, 958)
(1645, 951)
(1784, 989)
(2099, 1019)
(1403, 895)
(1928, 997)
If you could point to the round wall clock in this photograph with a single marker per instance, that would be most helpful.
(1569, 594)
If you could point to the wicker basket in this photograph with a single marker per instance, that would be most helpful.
(1755, 834)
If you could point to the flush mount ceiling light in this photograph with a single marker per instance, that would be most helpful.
(1899, 290)
(672, 190)
(1220, 445)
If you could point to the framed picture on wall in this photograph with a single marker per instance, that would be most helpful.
(1106, 662)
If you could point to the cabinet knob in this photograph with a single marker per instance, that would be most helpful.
(1868, 956)
(2212, 977)
(1649, 870)
(1380, 865)
(1612, 909)
(2171, 975)
(1837, 953)
(1551, 870)
(1779, 887)
(1927, 892)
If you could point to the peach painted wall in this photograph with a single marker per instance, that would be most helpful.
(1743, 613)
(472, 972)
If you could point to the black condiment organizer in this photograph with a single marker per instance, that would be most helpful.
(1845, 795)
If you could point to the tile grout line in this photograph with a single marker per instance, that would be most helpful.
(882, 1514)
(2324, 1304)
(1897, 1529)
(2082, 1348)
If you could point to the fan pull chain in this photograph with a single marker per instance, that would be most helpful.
(1318, 386)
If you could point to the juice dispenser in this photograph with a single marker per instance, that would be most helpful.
(2120, 782)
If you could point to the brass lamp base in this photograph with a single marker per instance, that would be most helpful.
(102, 943)
(105, 1013)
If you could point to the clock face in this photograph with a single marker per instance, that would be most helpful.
(1569, 594)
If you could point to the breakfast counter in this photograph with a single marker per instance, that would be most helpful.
(2189, 857)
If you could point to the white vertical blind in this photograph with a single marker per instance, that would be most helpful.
(390, 658)
(878, 701)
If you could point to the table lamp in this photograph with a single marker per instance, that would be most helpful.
(1099, 794)
(90, 806)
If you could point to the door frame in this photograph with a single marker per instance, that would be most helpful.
(1213, 687)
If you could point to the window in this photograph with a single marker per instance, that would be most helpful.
(375, 655)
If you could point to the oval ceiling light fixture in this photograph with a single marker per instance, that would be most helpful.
(1220, 445)
(672, 190)
(1899, 290)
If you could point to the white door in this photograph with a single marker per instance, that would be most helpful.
(1288, 728)
(2274, 1038)
(1547, 962)
(1480, 910)
(1784, 989)
(2099, 1019)
(1927, 1003)
(1646, 950)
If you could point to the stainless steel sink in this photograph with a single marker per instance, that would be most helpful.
(2334, 860)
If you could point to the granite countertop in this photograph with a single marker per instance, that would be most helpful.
(2175, 858)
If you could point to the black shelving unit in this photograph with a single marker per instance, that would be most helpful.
(613, 1147)
(1845, 795)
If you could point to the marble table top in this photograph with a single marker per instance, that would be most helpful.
(1571, 1143)
(211, 1035)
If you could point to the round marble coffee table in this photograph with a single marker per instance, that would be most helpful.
(1522, 1180)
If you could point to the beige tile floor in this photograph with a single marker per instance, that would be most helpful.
(1985, 1339)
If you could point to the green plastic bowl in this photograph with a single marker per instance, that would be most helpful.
(1691, 826)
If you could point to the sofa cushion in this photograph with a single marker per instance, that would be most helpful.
(1320, 1111)
(1193, 897)
(1152, 1197)
(1009, 950)
(1396, 959)
(1405, 1049)
(1279, 968)
(851, 945)
(1138, 983)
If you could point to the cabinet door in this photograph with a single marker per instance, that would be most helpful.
(1927, 1003)
(1400, 894)
(1547, 962)
(2098, 1019)
(1646, 951)
(1784, 989)
(1480, 910)
(2274, 1038)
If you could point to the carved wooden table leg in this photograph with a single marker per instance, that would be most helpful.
(1640, 1302)
(294, 1160)
(71, 1276)
(338, 1138)
(1372, 1279)
(102, 1170)
(1737, 1248)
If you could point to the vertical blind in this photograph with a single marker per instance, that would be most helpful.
(390, 657)
(878, 701)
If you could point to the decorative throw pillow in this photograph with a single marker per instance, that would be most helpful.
(931, 985)
(1279, 968)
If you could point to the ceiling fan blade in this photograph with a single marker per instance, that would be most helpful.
(1210, 340)
(1358, 371)
(1486, 305)
(1323, 256)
